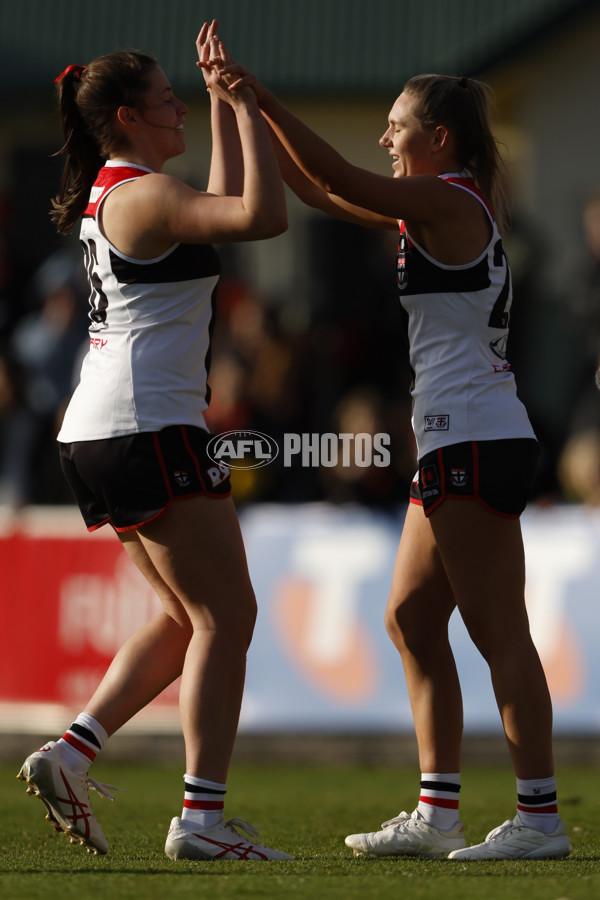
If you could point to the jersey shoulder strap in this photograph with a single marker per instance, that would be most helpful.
(108, 178)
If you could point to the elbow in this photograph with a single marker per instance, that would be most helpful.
(279, 226)
(270, 227)
(338, 180)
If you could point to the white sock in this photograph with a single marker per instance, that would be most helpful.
(537, 803)
(438, 800)
(203, 801)
(80, 744)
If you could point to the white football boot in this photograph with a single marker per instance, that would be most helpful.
(220, 841)
(513, 840)
(408, 835)
(65, 794)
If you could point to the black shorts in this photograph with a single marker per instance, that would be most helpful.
(128, 481)
(499, 474)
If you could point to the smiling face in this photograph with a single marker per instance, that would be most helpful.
(162, 111)
(413, 148)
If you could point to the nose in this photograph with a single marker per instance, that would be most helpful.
(182, 109)
(384, 140)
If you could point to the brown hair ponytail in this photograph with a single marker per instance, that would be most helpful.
(462, 104)
(89, 98)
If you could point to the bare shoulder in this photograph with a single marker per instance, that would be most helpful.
(152, 189)
(134, 216)
(459, 231)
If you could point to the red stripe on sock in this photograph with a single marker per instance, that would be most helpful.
(204, 804)
(553, 808)
(72, 740)
(439, 801)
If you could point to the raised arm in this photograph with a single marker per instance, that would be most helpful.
(226, 177)
(418, 198)
(168, 210)
(313, 195)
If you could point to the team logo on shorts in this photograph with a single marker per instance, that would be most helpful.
(182, 478)
(430, 481)
(459, 477)
(429, 476)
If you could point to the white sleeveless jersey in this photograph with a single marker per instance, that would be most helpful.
(151, 320)
(457, 325)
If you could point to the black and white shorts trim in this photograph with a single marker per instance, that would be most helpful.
(129, 481)
(499, 474)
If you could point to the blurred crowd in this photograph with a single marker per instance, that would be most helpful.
(326, 357)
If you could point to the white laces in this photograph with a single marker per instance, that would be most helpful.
(103, 789)
(501, 830)
(249, 829)
(397, 820)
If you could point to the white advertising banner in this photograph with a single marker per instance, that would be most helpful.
(321, 656)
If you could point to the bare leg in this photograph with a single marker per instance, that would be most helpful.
(150, 660)
(484, 560)
(195, 559)
(419, 607)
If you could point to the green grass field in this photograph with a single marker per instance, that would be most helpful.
(305, 810)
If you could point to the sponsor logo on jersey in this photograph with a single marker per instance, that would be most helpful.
(437, 423)
(182, 478)
(402, 279)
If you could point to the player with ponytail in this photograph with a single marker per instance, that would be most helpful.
(461, 545)
(133, 441)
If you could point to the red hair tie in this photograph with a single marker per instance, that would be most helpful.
(76, 70)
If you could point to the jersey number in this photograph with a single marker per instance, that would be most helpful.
(98, 299)
(501, 310)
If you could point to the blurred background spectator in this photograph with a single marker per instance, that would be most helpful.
(337, 365)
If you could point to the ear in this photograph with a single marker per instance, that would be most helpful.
(441, 139)
(128, 117)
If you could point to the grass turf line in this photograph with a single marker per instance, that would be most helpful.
(305, 810)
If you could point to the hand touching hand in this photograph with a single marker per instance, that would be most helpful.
(219, 68)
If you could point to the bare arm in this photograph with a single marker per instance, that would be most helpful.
(226, 176)
(420, 199)
(257, 212)
(314, 196)
(146, 216)
(387, 199)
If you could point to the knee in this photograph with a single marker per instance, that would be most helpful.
(248, 618)
(406, 625)
(240, 624)
(483, 635)
(231, 617)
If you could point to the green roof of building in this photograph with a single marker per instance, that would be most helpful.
(333, 47)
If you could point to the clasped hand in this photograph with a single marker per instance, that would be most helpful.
(221, 73)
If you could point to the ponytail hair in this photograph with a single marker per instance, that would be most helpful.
(89, 97)
(463, 106)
